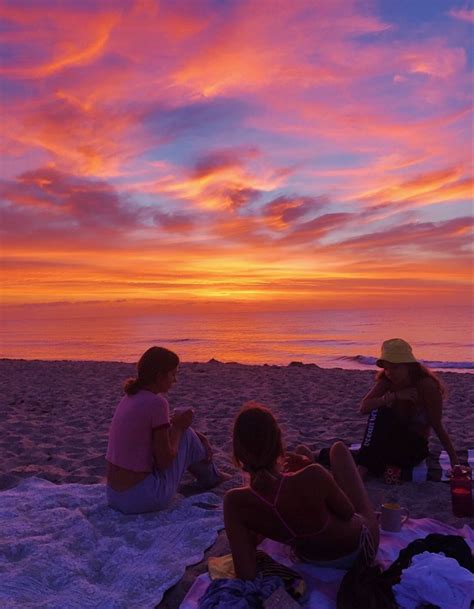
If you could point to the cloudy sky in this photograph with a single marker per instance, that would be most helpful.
(265, 151)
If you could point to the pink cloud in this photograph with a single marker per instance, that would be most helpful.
(174, 222)
(314, 230)
(284, 211)
(47, 201)
(464, 14)
(451, 238)
(218, 161)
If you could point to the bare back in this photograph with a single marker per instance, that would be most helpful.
(312, 513)
(121, 479)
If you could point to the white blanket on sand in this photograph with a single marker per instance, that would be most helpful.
(323, 584)
(62, 547)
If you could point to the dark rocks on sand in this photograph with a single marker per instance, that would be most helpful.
(301, 365)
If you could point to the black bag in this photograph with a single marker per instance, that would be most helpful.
(388, 441)
(363, 587)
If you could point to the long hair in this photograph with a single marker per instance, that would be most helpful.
(156, 360)
(416, 372)
(257, 441)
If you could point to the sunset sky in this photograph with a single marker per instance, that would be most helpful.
(266, 151)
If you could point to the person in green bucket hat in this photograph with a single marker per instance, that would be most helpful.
(404, 405)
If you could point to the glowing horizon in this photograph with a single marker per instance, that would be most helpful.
(252, 152)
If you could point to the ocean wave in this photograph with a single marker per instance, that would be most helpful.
(460, 365)
(360, 359)
(368, 360)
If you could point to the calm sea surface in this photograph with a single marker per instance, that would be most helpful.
(442, 337)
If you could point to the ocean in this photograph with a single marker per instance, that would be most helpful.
(441, 337)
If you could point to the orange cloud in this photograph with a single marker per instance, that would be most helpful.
(221, 180)
(426, 189)
(72, 39)
(283, 211)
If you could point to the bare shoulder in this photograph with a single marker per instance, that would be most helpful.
(307, 480)
(312, 474)
(234, 497)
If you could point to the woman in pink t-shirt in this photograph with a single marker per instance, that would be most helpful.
(149, 451)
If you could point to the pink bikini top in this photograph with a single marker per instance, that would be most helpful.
(273, 506)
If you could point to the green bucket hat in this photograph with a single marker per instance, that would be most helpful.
(396, 351)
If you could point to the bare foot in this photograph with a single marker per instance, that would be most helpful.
(198, 486)
(221, 477)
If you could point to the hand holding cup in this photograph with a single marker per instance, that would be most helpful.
(182, 417)
(409, 394)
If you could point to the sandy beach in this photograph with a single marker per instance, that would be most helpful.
(55, 419)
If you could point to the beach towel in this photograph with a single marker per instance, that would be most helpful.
(62, 547)
(323, 584)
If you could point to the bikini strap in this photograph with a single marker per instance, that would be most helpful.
(273, 506)
(254, 492)
(277, 496)
(273, 503)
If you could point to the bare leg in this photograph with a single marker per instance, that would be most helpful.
(302, 449)
(347, 476)
(200, 461)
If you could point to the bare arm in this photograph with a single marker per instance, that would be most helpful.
(165, 445)
(377, 397)
(166, 439)
(241, 540)
(433, 403)
(336, 499)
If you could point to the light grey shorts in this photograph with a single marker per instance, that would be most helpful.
(365, 550)
(157, 490)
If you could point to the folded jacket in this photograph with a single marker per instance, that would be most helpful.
(223, 567)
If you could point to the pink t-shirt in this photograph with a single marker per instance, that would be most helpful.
(130, 434)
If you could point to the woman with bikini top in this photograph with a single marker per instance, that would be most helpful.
(322, 518)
